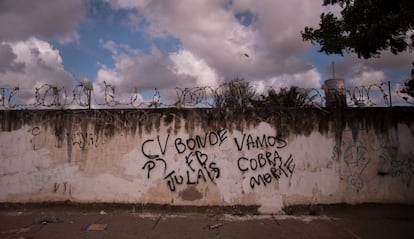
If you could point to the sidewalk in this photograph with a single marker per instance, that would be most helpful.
(341, 221)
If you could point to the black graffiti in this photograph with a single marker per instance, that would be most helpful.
(189, 161)
(173, 179)
(198, 142)
(154, 158)
(162, 147)
(357, 159)
(182, 145)
(267, 158)
(36, 131)
(394, 165)
(279, 170)
(265, 141)
(150, 165)
(63, 188)
(401, 167)
(202, 175)
(210, 168)
(286, 169)
(83, 139)
(200, 169)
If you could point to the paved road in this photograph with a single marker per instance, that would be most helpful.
(365, 221)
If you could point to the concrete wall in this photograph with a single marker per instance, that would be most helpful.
(265, 158)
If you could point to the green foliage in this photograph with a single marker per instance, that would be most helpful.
(237, 93)
(408, 88)
(409, 85)
(365, 27)
(285, 98)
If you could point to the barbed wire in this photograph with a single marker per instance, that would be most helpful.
(363, 95)
(6, 96)
(52, 96)
(377, 94)
(193, 96)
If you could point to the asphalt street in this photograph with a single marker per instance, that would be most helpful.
(72, 221)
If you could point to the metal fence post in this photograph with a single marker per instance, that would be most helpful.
(389, 92)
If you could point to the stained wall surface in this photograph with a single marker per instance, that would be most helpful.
(208, 157)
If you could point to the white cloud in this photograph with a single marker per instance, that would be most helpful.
(267, 48)
(42, 65)
(110, 46)
(137, 72)
(306, 79)
(389, 61)
(185, 63)
(8, 60)
(128, 3)
(134, 71)
(216, 45)
(27, 61)
(45, 19)
(118, 50)
(367, 77)
(154, 70)
(69, 38)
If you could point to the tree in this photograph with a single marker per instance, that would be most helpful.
(236, 93)
(365, 27)
(408, 88)
(286, 98)
(409, 85)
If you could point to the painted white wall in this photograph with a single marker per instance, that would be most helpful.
(160, 167)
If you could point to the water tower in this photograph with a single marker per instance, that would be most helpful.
(335, 92)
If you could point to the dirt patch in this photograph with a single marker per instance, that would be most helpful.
(190, 194)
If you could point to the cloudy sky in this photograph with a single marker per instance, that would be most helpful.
(146, 44)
